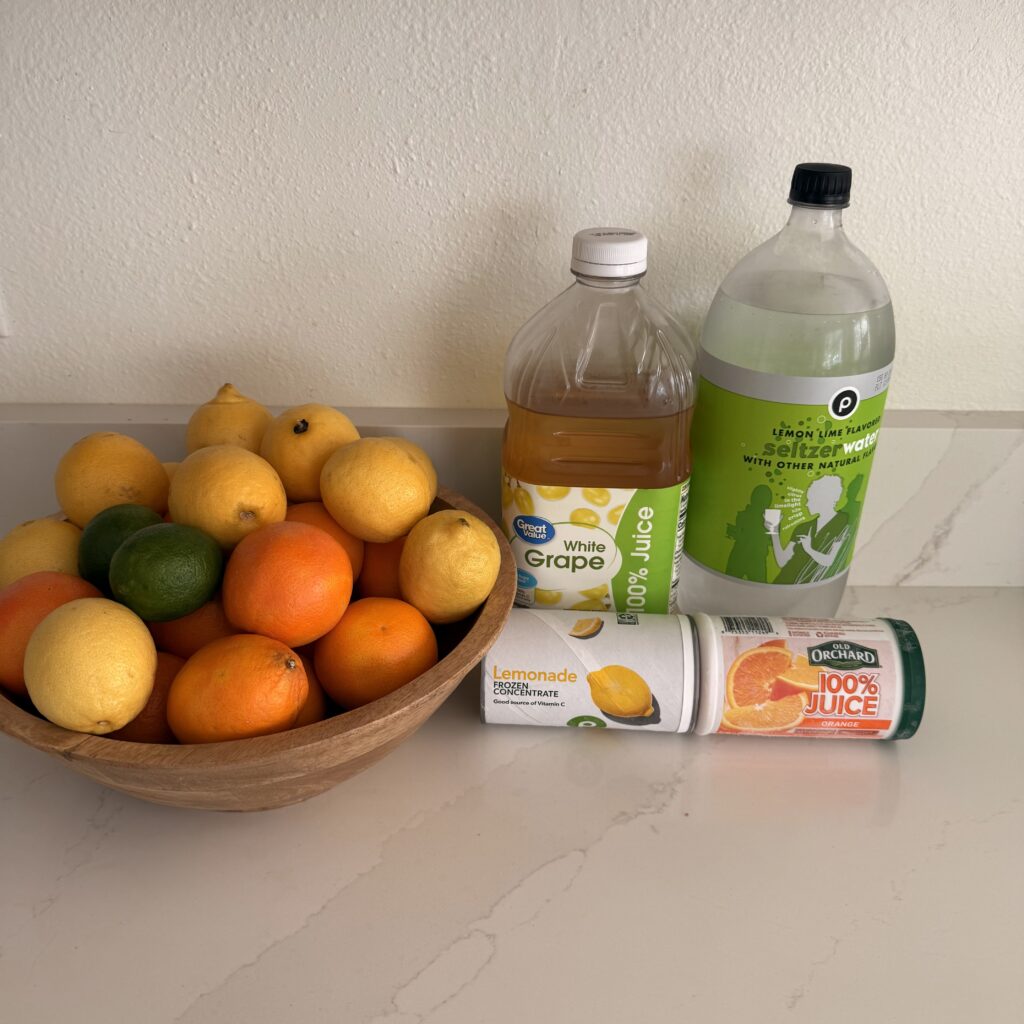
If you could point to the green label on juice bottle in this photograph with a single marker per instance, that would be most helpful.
(595, 548)
(780, 470)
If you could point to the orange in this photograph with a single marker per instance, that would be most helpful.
(801, 677)
(188, 634)
(150, 724)
(751, 675)
(315, 708)
(315, 514)
(235, 688)
(23, 605)
(771, 716)
(379, 645)
(289, 581)
(379, 577)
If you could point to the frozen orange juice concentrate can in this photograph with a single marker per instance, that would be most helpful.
(730, 675)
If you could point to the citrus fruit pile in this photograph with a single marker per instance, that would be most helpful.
(285, 569)
(767, 690)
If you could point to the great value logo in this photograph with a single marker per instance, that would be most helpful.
(533, 529)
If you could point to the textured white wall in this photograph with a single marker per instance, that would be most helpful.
(360, 202)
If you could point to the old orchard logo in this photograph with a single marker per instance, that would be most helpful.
(843, 654)
(533, 529)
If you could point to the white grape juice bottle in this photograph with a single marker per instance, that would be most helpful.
(596, 450)
(795, 360)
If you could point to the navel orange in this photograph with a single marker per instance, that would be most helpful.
(379, 645)
(235, 688)
(290, 581)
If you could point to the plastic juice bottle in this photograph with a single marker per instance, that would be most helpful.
(795, 360)
(596, 453)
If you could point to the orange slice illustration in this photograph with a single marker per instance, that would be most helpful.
(770, 717)
(801, 677)
(752, 674)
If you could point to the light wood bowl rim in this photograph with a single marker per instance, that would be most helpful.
(195, 758)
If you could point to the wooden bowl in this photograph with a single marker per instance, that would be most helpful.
(273, 771)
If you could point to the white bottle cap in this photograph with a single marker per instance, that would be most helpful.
(609, 252)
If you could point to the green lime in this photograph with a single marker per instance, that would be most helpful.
(104, 534)
(166, 571)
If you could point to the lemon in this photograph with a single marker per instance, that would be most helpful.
(228, 418)
(165, 571)
(449, 565)
(298, 443)
(618, 690)
(422, 460)
(227, 492)
(375, 489)
(108, 469)
(37, 546)
(90, 665)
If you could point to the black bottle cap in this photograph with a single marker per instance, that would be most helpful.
(820, 185)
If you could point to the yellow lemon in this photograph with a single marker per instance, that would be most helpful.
(227, 492)
(553, 493)
(90, 665)
(105, 469)
(597, 495)
(375, 489)
(37, 546)
(547, 596)
(618, 690)
(422, 460)
(228, 418)
(584, 517)
(616, 514)
(449, 565)
(298, 443)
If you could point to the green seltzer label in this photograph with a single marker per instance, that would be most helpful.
(780, 470)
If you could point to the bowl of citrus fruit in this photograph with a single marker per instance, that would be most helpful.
(248, 627)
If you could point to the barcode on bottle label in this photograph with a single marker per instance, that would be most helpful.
(747, 625)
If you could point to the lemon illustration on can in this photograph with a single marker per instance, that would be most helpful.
(620, 692)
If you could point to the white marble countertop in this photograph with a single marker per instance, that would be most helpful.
(488, 874)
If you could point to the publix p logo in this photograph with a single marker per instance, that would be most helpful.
(843, 403)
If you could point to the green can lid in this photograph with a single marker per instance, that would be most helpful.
(913, 678)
